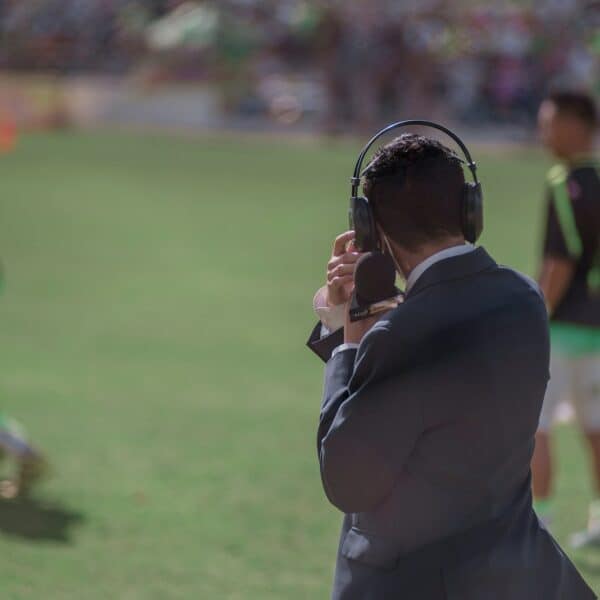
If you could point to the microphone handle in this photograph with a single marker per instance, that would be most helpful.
(364, 312)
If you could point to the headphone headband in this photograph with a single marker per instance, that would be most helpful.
(355, 181)
(362, 218)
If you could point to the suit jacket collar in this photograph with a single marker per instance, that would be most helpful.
(455, 267)
(428, 262)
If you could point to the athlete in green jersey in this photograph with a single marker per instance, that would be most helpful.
(570, 280)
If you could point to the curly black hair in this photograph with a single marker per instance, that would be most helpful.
(407, 150)
(416, 187)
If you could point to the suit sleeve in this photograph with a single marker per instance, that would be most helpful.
(323, 346)
(368, 426)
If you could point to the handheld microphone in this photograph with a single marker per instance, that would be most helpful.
(374, 286)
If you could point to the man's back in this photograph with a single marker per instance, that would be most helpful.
(425, 444)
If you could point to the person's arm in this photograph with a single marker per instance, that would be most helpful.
(322, 344)
(562, 247)
(367, 428)
(555, 277)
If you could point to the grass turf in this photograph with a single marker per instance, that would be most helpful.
(156, 306)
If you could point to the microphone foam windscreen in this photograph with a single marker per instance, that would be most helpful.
(375, 278)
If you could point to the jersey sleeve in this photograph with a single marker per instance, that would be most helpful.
(562, 238)
(554, 240)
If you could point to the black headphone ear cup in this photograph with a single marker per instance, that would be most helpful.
(472, 213)
(362, 221)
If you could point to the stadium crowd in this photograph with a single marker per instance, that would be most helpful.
(470, 60)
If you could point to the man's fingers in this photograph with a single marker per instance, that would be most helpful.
(340, 271)
(347, 258)
(340, 280)
(341, 241)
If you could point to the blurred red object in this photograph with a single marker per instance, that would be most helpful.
(8, 134)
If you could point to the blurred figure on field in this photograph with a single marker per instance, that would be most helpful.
(26, 461)
(570, 280)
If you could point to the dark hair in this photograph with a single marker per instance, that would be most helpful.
(416, 187)
(576, 104)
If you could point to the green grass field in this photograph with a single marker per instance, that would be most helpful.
(158, 296)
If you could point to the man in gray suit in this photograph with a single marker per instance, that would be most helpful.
(429, 414)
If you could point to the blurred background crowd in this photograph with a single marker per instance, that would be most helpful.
(324, 63)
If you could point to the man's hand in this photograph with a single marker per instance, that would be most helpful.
(340, 270)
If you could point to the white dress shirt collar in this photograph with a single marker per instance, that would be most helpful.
(434, 258)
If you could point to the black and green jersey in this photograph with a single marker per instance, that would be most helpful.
(573, 233)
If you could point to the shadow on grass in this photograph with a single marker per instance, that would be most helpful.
(35, 520)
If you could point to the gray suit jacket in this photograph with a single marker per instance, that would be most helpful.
(425, 439)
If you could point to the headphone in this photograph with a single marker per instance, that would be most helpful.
(362, 219)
